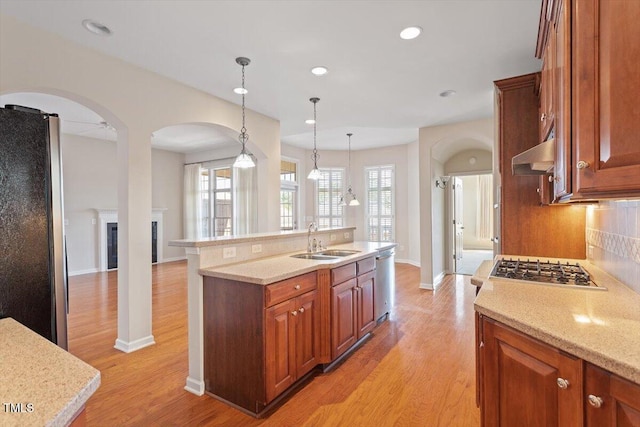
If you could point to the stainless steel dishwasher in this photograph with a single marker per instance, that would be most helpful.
(384, 289)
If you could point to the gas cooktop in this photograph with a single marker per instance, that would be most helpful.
(565, 274)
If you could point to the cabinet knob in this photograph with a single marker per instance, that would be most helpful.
(543, 117)
(296, 287)
(301, 310)
(562, 383)
(582, 164)
(595, 401)
(294, 313)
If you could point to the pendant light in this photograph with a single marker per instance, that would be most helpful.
(243, 160)
(351, 196)
(315, 173)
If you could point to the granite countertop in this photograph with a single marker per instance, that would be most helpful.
(601, 327)
(48, 385)
(265, 271)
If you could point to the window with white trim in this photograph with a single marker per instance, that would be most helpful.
(380, 206)
(288, 195)
(329, 188)
(217, 206)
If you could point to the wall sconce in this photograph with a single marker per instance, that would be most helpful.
(442, 182)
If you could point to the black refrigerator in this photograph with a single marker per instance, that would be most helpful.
(33, 279)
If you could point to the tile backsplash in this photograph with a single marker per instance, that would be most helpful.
(613, 239)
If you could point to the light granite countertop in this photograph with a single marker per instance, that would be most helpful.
(265, 271)
(601, 327)
(48, 385)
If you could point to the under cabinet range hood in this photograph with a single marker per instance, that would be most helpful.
(535, 161)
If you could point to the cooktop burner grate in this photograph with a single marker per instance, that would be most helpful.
(546, 272)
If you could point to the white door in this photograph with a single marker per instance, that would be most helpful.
(458, 226)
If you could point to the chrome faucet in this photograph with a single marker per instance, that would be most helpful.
(310, 247)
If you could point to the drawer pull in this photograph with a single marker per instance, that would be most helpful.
(294, 313)
(296, 287)
(301, 310)
(562, 383)
(595, 401)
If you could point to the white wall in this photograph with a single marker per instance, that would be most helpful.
(469, 162)
(90, 183)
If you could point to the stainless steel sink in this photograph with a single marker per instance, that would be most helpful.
(316, 256)
(338, 252)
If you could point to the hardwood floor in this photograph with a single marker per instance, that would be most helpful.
(418, 369)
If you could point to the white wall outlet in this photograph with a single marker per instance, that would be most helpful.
(229, 252)
(590, 254)
(256, 249)
(333, 237)
(347, 234)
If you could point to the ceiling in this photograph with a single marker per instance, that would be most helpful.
(379, 87)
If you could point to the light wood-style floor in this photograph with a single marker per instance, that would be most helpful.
(418, 369)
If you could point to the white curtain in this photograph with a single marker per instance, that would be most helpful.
(245, 196)
(192, 202)
(485, 206)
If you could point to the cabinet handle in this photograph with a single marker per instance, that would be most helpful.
(562, 383)
(582, 164)
(294, 313)
(595, 401)
(296, 287)
(543, 117)
(301, 310)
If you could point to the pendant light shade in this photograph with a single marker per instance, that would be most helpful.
(315, 173)
(243, 160)
(350, 198)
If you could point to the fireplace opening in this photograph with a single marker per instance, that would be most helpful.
(112, 244)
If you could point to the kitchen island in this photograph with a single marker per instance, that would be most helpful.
(586, 340)
(258, 258)
(41, 384)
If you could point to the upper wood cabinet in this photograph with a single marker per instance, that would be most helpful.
(606, 85)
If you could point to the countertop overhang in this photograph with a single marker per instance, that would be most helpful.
(264, 271)
(47, 385)
(601, 327)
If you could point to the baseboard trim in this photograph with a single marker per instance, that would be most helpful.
(408, 261)
(129, 347)
(438, 279)
(427, 286)
(178, 258)
(79, 272)
(194, 386)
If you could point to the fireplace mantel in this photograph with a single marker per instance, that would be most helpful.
(111, 215)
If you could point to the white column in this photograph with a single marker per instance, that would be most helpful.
(195, 380)
(426, 250)
(134, 235)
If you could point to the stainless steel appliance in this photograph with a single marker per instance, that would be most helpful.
(565, 274)
(33, 280)
(385, 283)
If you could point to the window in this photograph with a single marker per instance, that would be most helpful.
(288, 195)
(380, 204)
(328, 190)
(217, 210)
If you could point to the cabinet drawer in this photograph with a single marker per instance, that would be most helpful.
(366, 265)
(343, 273)
(288, 288)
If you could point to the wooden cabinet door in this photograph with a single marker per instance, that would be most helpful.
(606, 79)
(523, 378)
(610, 400)
(307, 335)
(343, 317)
(562, 182)
(366, 312)
(547, 87)
(280, 369)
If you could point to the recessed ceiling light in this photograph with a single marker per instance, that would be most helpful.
(241, 91)
(447, 93)
(319, 71)
(309, 121)
(96, 27)
(410, 33)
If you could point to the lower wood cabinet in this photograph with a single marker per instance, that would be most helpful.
(291, 342)
(352, 305)
(258, 340)
(522, 381)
